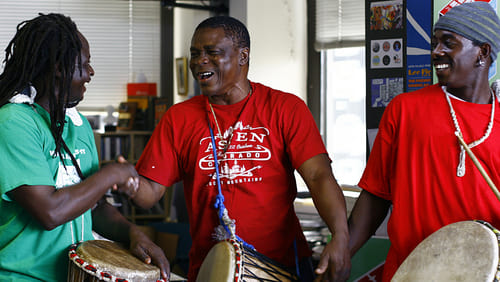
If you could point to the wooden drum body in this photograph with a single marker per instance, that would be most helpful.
(461, 251)
(229, 261)
(101, 260)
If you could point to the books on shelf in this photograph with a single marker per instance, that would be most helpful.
(114, 146)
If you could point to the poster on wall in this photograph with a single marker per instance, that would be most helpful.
(386, 15)
(386, 53)
(443, 6)
(384, 89)
(418, 41)
(385, 43)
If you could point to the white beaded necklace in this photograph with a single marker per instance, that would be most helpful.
(461, 164)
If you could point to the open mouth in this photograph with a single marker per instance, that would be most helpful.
(205, 75)
(441, 67)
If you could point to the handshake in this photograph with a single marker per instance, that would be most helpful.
(122, 176)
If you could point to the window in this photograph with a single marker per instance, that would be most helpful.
(339, 36)
(344, 73)
(124, 39)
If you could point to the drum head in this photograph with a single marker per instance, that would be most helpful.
(111, 257)
(219, 264)
(462, 251)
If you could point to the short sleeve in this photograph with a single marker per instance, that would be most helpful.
(159, 160)
(301, 133)
(22, 149)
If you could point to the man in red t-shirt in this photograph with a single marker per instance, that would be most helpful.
(260, 136)
(417, 163)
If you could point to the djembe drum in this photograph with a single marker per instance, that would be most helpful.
(461, 251)
(229, 261)
(101, 260)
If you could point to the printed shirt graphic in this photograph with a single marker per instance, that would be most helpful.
(244, 155)
(66, 176)
(27, 250)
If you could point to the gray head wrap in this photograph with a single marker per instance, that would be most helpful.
(476, 21)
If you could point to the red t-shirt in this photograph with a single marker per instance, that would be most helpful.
(274, 133)
(414, 162)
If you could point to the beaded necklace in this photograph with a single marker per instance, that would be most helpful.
(231, 129)
(461, 164)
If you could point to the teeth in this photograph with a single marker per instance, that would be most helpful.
(205, 74)
(441, 66)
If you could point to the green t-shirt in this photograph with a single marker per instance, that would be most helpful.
(28, 251)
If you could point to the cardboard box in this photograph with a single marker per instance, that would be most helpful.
(126, 115)
(145, 113)
(161, 106)
(141, 89)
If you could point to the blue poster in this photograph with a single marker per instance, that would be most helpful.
(418, 41)
(384, 89)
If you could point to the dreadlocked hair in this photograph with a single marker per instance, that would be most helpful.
(43, 53)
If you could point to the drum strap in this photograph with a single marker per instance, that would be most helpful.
(226, 222)
(224, 218)
(297, 266)
(82, 177)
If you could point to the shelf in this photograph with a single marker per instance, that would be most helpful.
(129, 144)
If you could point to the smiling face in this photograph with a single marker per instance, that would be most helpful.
(455, 59)
(217, 64)
(80, 78)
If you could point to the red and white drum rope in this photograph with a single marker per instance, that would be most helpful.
(92, 270)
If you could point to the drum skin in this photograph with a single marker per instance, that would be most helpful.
(461, 251)
(112, 258)
(218, 265)
(221, 265)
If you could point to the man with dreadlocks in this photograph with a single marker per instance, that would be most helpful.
(50, 187)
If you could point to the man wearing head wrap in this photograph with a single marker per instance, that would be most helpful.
(417, 164)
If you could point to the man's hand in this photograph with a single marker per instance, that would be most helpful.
(147, 251)
(335, 262)
(131, 186)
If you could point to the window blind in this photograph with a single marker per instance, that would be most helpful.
(124, 38)
(339, 23)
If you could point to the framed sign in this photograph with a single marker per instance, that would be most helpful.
(182, 79)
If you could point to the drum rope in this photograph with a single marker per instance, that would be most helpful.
(228, 226)
(85, 264)
(226, 222)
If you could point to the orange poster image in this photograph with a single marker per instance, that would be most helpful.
(386, 15)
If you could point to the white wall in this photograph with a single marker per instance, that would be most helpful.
(278, 34)
(278, 51)
(185, 21)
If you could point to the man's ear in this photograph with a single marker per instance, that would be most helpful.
(485, 50)
(244, 55)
